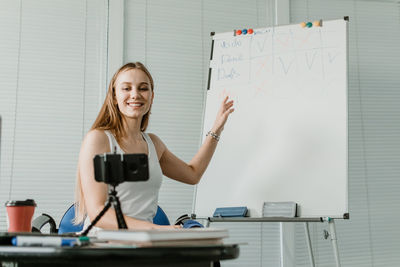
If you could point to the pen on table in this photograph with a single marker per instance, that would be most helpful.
(45, 241)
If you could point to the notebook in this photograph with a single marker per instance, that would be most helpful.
(210, 234)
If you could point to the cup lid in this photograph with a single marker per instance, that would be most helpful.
(27, 202)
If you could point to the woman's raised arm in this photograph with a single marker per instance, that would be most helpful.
(192, 172)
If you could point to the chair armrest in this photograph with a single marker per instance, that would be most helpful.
(41, 221)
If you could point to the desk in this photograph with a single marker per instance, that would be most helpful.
(193, 256)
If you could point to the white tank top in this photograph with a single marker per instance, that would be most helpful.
(138, 200)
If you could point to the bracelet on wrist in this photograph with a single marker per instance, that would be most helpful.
(213, 135)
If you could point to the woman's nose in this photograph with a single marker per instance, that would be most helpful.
(135, 93)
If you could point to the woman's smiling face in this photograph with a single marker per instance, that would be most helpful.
(133, 93)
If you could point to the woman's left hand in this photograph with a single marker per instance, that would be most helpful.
(225, 110)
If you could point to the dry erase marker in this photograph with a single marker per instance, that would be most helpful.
(43, 241)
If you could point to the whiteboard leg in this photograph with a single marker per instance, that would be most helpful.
(332, 228)
(281, 237)
(308, 239)
(287, 244)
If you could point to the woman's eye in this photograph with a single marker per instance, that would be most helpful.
(125, 89)
(144, 88)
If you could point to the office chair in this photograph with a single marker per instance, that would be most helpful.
(161, 218)
(67, 225)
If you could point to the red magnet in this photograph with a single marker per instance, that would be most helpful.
(250, 31)
(238, 32)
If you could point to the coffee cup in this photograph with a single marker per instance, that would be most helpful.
(19, 215)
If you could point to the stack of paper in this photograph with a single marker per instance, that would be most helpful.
(164, 237)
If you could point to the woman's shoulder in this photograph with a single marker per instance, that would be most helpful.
(158, 144)
(154, 138)
(96, 134)
(96, 138)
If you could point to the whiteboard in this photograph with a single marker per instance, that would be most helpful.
(287, 138)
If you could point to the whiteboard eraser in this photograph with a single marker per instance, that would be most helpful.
(280, 209)
(230, 212)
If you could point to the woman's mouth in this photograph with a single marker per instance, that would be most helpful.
(135, 105)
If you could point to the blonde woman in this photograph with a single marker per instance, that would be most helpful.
(120, 127)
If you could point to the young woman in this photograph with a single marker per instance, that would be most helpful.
(120, 127)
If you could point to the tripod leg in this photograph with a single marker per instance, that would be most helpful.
(118, 212)
(106, 207)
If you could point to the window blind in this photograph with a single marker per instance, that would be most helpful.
(52, 74)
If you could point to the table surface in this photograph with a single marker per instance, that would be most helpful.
(119, 256)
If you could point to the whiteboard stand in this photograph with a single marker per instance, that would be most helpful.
(332, 232)
(308, 239)
(331, 223)
(287, 245)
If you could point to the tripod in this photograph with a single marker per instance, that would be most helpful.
(112, 200)
(114, 169)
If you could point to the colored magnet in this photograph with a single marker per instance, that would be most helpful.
(309, 24)
(250, 31)
(238, 32)
(303, 24)
(317, 23)
(244, 31)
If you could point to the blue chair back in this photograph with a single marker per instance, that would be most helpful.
(160, 218)
(67, 225)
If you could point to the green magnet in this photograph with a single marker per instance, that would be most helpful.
(309, 24)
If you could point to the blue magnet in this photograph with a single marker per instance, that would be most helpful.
(244, 31)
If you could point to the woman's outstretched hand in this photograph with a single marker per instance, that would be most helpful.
(224, 111)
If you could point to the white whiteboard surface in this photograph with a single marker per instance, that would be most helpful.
(287, 138)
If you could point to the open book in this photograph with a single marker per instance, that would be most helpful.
(165, 237)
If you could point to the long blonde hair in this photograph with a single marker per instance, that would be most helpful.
(110, 119)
